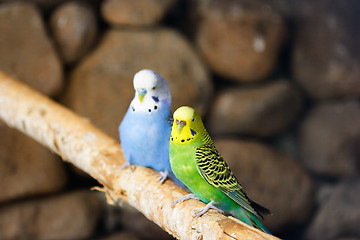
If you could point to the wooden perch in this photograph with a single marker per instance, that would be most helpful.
(76, 140)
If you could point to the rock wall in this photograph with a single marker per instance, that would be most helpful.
(277, 82)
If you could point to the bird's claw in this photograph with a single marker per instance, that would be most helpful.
(126, 164)
(210, 205)
(184, 198)
(163, 176)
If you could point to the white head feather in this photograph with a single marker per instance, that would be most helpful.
(154, 90)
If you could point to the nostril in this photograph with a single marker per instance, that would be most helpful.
(141, 90)
(183, 123)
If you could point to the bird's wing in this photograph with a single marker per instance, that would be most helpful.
(217, 173)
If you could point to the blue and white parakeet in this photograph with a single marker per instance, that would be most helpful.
(146, 127)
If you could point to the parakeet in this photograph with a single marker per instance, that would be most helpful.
(196, 162)
(146, 127)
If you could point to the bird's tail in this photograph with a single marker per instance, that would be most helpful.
(250, 219)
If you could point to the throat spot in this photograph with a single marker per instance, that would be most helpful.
(156, 99)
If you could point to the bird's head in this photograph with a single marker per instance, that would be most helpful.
(148, 83)
(150, 89)
(187, 125)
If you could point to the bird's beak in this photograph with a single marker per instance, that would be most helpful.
(180, 125)
(141, 93)
(179, 128)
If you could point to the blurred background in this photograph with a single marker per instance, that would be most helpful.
(276, 81)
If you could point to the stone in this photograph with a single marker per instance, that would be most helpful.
(46, 5)
(272, 180)
(329, 139)
(26, 52)
(27, 168)
(74, 27)
(326, 54)
(287, 143)
(240, 40)
(136, 222)
(136, 12)
(121, 236)
(338, 216)
(69, 216)
(287, 9)
(348, 238)
(101, 87)
(263, 110)
(133, 221)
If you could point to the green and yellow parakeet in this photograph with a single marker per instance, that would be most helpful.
(196, 162)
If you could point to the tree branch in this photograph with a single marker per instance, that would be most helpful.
(76, 140)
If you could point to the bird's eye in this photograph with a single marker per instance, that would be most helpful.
(192, 120)
(153, 88)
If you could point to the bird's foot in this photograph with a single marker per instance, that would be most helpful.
(184, 198)
(210, 205)
(163, 176)
(126, 164)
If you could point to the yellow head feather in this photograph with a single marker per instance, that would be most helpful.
(187, 126)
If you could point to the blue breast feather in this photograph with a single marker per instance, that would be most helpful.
(145, 139)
